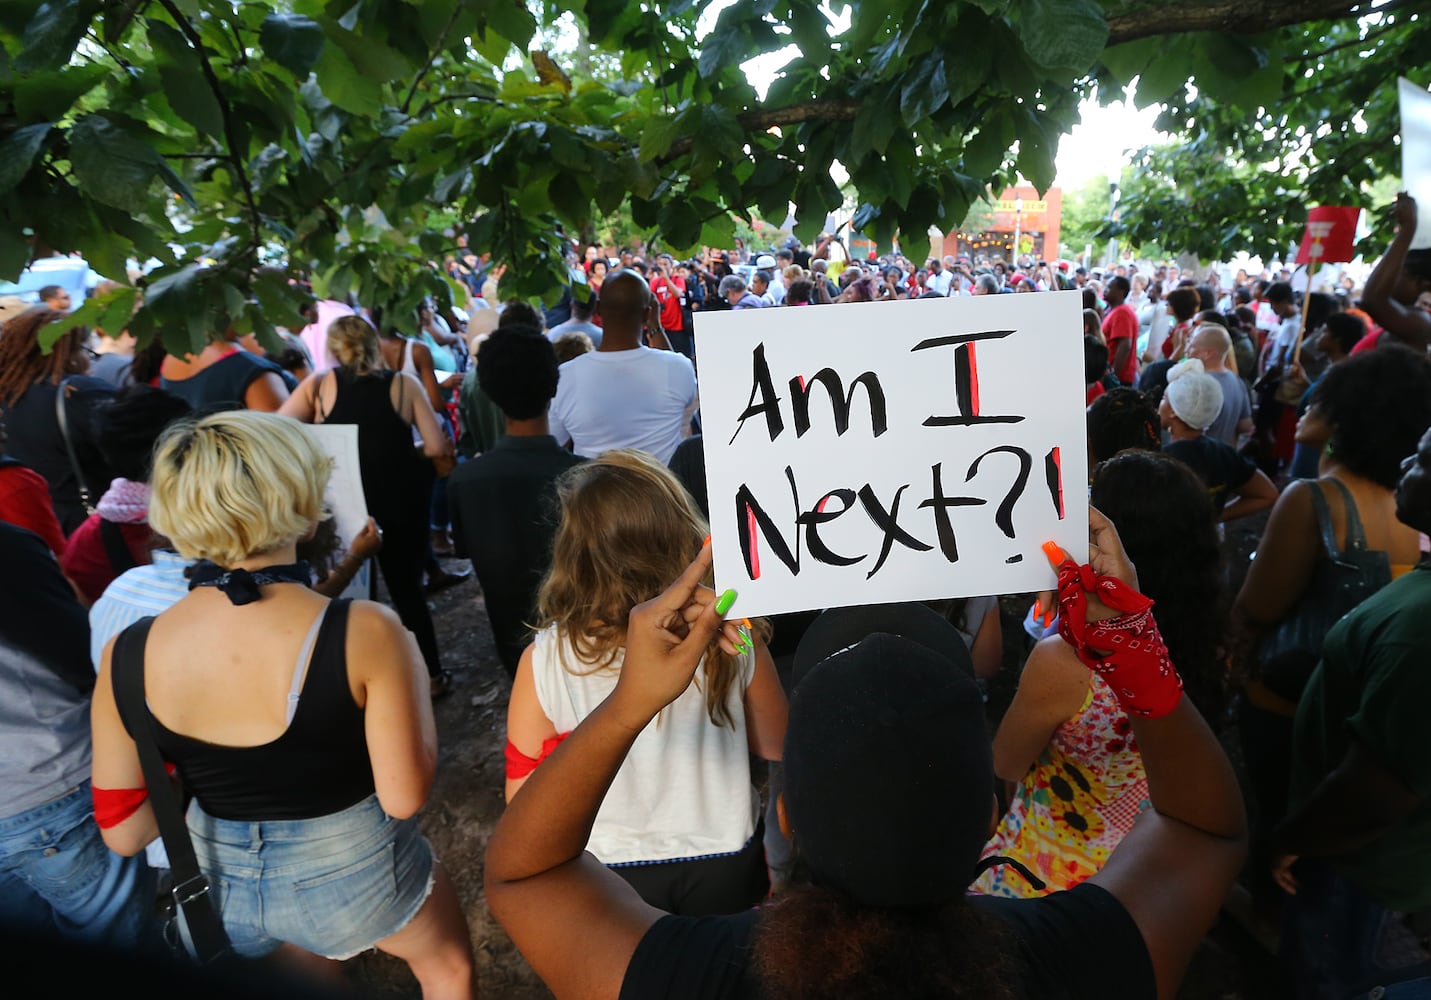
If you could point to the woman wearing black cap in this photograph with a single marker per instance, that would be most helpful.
(889, 788)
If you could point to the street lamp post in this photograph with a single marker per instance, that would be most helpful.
(1018, 225)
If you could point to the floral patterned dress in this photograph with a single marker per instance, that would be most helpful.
(1078, 800)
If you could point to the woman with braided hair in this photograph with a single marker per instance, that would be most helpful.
(30, 381)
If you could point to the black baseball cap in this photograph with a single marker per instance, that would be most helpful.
(889, 778)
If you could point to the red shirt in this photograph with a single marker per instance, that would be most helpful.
(1121, 323)
(670, 292)
(86, 561)
(25, 503)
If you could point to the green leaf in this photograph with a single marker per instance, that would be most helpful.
(1036, 152)
(279, 300)
(1068, 34)
(52, 34)
(14, 252)
(17, 152)
(87, 314)
(118, 306)
(1127, 60)
(112, 163)
(342, 84)
(925, 90)
(658, 135)
(511, 20)
(1165, 76)
(185, 86)
(293, 41)
(719, 231)
(368, 55)
(48, 94)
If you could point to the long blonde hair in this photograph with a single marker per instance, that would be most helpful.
(628, 528)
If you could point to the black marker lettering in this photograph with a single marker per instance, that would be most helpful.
(840, 402)
(1004, 516)
(966, 379)
(888, 522)
(818, 515)
(941, 505)
(762, 386)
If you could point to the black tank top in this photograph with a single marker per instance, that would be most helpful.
(318, 766)
(224, 383)
(397, 481)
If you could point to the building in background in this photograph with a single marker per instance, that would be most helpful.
(1020, 214)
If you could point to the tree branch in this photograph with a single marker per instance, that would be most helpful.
(235, 157)
(431, 57)
(761, 119)
(1234, 16)
(1228, 16)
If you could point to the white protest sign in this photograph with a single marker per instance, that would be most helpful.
(344, 495)
(866, 453)
(1416, 155)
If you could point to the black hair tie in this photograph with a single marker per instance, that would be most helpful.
(994, 860)
(241, 586)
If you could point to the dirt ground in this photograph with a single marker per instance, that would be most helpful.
(467, 801)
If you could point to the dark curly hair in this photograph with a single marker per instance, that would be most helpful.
(517, 369)
(1346, 330)
(1120, 419)
(518, 313)
(815, 943)
(1164, 517)
(1379, 404)
(1184, 302)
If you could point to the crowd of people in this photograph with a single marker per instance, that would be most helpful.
(813, 805)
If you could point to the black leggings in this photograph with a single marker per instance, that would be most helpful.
(403, 558)
(704, 887)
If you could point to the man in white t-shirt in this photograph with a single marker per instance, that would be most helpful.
(624, 394)
(1284, 303)
(940, 279)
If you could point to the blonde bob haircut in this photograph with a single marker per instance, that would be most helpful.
(628, 528)
(354, 344)
(235, 485)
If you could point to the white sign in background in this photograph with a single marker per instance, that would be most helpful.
(1416, 155)
(344, 496)
(963, 451)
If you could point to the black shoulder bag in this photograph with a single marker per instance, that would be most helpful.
(62, 419)
(208, 943)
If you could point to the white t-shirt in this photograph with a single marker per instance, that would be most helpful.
(641, 398)
(940, 282)
(1284, 340)
(684, 790)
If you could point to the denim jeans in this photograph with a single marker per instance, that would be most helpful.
(57, 874)
(333, 885)
(1338, 942)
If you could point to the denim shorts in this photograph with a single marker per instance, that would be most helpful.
(335, 885)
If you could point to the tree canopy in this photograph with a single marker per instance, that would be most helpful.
(343, 139)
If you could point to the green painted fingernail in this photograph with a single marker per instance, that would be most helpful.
(745, 645)
(724, 602)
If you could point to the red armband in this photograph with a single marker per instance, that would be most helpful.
(519, 765)
(1136, 665)
(113, 806)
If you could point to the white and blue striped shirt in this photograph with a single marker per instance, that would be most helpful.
(137, 593)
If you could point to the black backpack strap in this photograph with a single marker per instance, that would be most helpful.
(116, 548)
(191, 888)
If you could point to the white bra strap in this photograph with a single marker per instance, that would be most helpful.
(296, 688)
